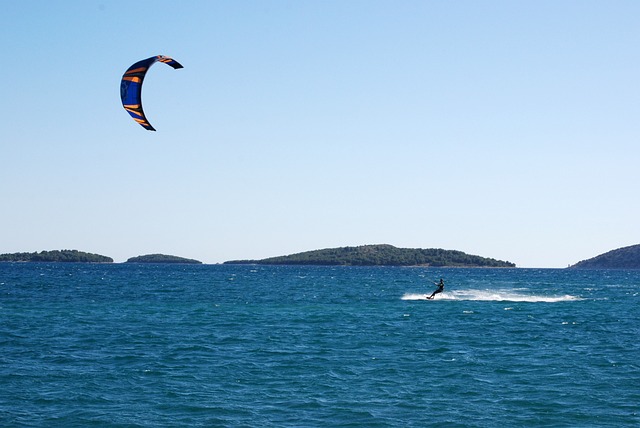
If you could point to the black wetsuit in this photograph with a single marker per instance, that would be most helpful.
(440, 289)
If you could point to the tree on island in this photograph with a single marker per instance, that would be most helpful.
(64, 256)
(381, 255)
(622, 258)
(161, 258)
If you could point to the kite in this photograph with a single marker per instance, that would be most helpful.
(131, 87)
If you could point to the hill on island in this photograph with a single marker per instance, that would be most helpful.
(70, 256)
(161, 258)
(380, 255)
(622, 258)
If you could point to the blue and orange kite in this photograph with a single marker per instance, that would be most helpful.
(131, 87)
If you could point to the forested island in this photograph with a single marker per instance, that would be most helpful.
(161, 258)
(622, 258)
(381, 255)
(69, 256)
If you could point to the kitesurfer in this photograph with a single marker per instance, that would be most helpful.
(440, 288)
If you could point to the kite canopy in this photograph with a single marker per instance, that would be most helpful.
(131, 87)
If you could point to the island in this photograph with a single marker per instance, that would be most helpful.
(161, 258)
(381, 255)
(67, 256)
(622, 258)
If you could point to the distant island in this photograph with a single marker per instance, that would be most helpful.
(70, 256)
(622, 258)
(161, 258)
(381, 255)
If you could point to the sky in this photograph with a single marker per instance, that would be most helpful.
(505, 129)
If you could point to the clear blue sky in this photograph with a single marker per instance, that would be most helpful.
(507, 129)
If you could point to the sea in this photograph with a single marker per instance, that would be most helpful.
(152, 345)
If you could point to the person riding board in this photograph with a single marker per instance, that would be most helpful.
(440, 289)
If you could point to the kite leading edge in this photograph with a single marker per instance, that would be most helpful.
(131, 87)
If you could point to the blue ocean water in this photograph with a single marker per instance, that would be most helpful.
(122, 345)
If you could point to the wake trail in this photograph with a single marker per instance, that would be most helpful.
(491, 296)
